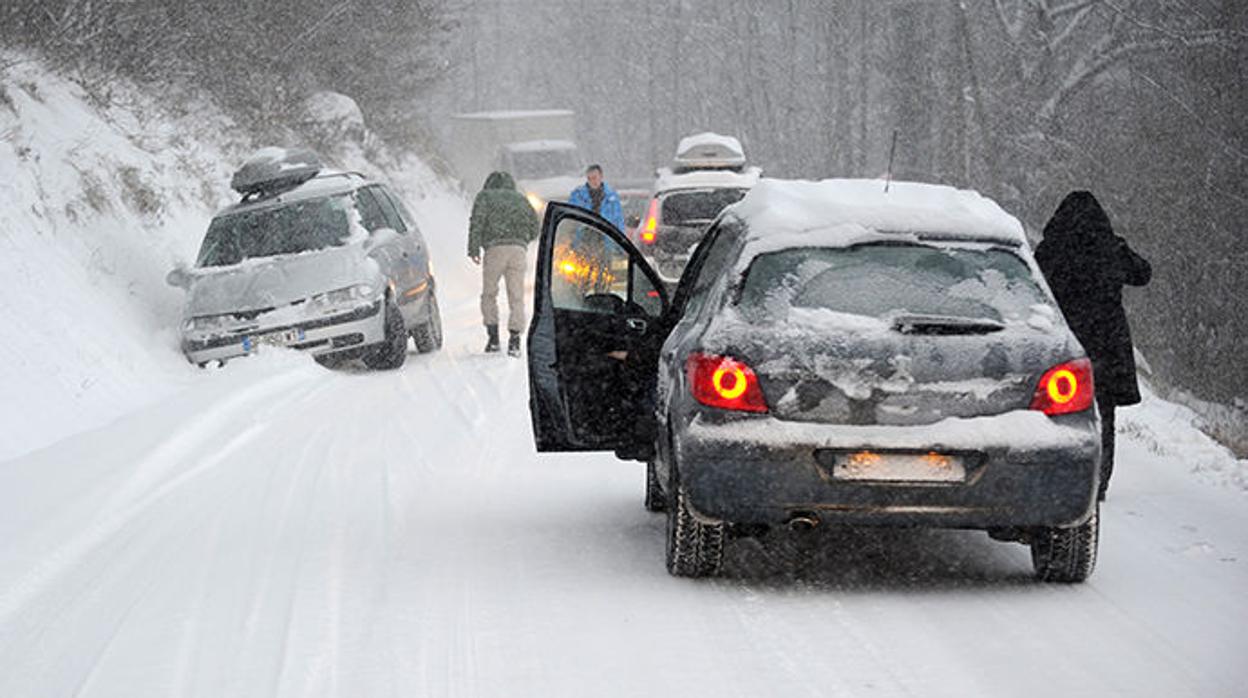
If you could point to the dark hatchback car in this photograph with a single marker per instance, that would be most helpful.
(830, 355)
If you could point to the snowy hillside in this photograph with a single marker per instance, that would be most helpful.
(95, 205)
(273, 528)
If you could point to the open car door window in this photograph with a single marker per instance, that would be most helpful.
(595, 330)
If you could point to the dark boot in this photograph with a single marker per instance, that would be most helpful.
(491, 342)
(1107, 449)
(513, 344)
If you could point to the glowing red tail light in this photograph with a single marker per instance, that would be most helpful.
(1065, 388)
(723, 382)
(651, 229)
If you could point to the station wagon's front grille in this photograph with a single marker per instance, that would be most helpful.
(360, 313)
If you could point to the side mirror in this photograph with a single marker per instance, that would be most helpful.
(633, 221)
(179, 277)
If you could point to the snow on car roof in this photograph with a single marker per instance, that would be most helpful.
(539, 146)
(836, 212)
(709, 139)
(703, 179)
(327, 183)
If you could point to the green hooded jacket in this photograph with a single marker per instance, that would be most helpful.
(500, 216)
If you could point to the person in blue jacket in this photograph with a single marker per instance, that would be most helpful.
(598, 196)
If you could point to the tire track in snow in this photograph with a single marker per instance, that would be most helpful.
(133, 501)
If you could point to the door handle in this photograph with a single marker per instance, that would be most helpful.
(635, 324)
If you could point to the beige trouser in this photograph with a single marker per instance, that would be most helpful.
(507, 262)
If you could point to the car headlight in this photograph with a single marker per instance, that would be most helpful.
(344, 296)
(535, 201)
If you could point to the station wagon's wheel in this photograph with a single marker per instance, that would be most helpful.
(428, 337)
(655, 499)
(694, 548)
(1066, 555)
(392, 351)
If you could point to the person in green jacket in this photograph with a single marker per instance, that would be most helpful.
(499, 232)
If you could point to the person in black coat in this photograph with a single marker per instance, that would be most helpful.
(1087, 265)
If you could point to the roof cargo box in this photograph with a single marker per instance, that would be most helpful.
(273, 170)
(708, 151)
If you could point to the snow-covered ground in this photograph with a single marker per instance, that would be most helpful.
(276, 529)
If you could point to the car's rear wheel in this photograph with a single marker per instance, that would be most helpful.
(428, 337)
(1066, 555)
(392, 351)
(655, 499)
(695, 548)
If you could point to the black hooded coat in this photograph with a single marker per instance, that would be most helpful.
(1087, 265)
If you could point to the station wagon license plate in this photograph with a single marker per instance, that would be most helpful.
(899, 467)
(273, 339)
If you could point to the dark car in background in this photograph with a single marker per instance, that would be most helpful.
(708, 174)
(831, 355)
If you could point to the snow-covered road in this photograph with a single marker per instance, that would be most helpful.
(277, 529)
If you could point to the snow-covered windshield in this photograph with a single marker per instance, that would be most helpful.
(885, 280)
(301, 226)
(697, 207)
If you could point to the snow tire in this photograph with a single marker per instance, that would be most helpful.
(1066, 555)
(428, 337)
(392, 351)
(695, 548)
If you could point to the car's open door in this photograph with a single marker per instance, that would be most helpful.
(595, 331)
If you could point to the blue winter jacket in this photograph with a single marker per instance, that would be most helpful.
(611, 208)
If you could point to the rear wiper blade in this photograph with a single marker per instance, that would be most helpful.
(945, 325)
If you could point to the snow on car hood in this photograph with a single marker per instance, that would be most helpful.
(270, 282)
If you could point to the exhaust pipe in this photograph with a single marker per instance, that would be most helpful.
(803, 522)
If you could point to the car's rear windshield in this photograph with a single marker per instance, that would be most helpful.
(698, 207)
(300, 226)
(889, 280)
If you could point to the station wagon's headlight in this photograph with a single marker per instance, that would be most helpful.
(343, 296)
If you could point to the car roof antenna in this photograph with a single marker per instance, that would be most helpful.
(892, 151)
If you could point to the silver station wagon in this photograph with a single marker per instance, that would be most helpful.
(833, 354)
(319, 260)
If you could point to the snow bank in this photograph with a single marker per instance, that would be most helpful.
(1177, 433)
(96, 204)
(785, 206)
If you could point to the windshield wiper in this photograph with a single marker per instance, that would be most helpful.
(945, 325)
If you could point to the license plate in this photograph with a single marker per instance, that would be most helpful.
(284, 338)
(899, 467)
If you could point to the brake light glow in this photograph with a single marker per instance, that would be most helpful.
(1065, 389)
(724, 382)
(651, 228)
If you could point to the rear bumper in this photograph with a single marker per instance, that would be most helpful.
(347, 332)
(1023, 471)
